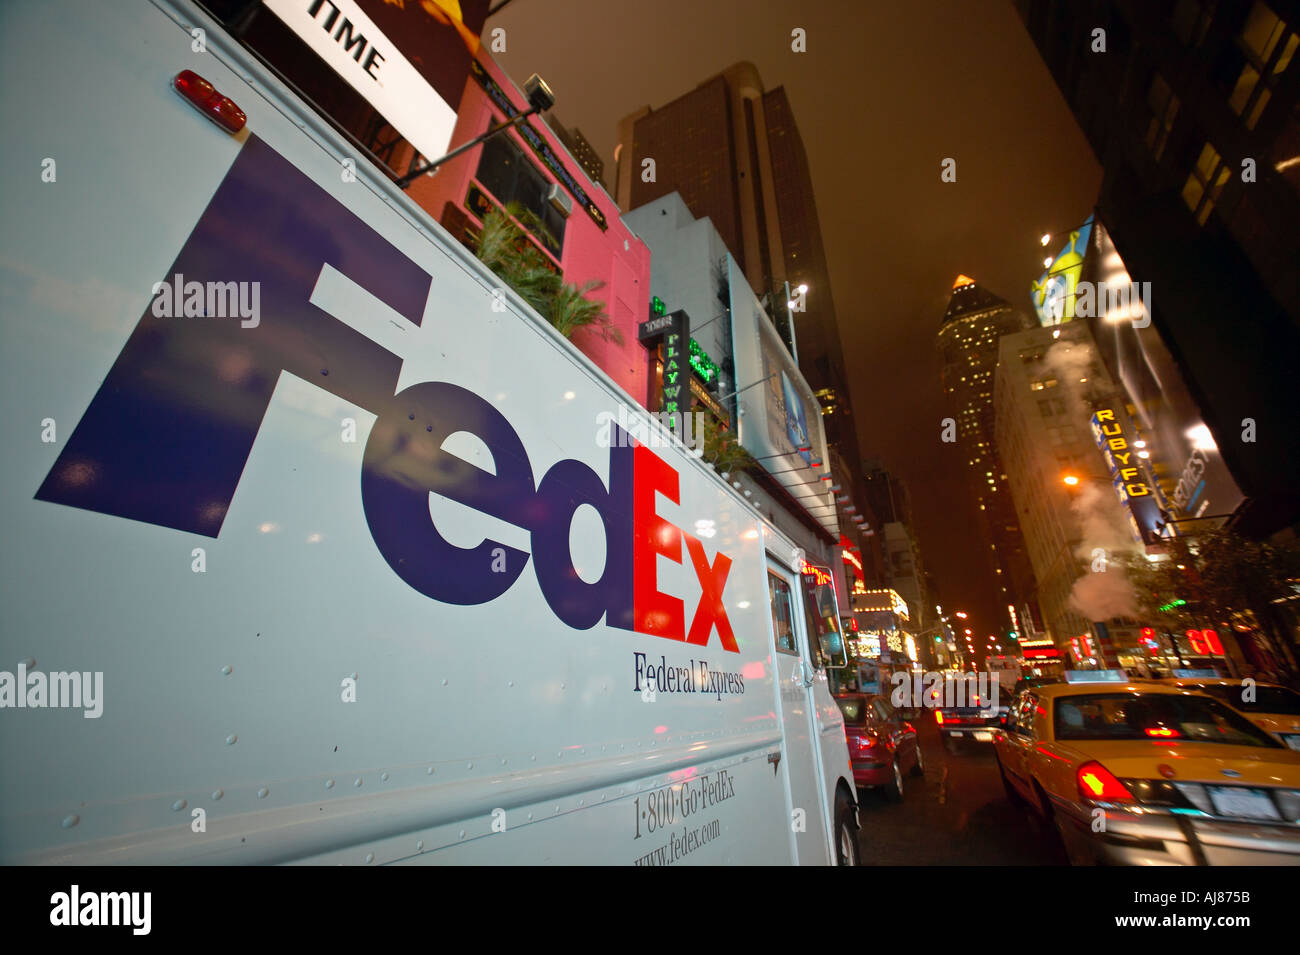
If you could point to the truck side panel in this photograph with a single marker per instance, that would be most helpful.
(221, 525)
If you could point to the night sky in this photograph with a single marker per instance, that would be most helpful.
(883, 94)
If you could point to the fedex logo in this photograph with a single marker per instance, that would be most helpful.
(166, 438)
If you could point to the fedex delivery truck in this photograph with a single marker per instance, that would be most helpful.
(313, 555)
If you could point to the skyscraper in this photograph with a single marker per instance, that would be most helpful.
(733, 152)
(968, 347)
(1050, 382)
(580, 148)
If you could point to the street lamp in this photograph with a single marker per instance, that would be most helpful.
(540, 99)
(1070, 479)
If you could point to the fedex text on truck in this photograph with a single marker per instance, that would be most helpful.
(166, 438)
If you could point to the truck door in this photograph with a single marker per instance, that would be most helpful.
(794, 676)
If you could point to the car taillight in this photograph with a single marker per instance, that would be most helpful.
(1162, 732)
(1096, 782)
(938, 717)
(867, 740)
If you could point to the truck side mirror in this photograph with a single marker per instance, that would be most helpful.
(836, 655)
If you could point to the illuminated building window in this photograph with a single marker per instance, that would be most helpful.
(1204, 183)
(1265, 49)
(1164, 108)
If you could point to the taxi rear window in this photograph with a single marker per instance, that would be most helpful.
(1154, 716)
(1267, 699)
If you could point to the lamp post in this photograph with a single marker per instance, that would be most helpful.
(540, 99)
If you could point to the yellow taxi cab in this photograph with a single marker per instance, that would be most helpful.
(1273, 708)
(1151, 774)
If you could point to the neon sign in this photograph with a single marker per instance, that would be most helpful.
(819, 576)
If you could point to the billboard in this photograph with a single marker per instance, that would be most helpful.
(780, 421)
(410, 64)
(1054, 292)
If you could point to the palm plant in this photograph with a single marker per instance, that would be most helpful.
(506, 250)
(723, 450)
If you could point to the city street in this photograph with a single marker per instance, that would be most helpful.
(957, 815)
(493, 433)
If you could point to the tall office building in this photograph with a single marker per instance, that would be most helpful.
(1193, 110)
(968, 348)
(579, 148)
(1050, 383)
(891, 503)
(733, 152)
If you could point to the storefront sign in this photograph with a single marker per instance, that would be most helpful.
(677, 374)
(1122, 460)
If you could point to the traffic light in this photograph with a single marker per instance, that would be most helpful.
(1012, 635)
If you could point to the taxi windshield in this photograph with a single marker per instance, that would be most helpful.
(1162, 717)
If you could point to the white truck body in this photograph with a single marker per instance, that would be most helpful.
(228, 518)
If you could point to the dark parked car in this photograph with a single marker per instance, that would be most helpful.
(882, 745)
(974, 723)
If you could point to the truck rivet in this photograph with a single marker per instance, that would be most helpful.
(70, 821)
(226, 670)
(329, 784)
(232, 739)
(263, 793)
(370, 857)
(218, 793)
(384, 777)
(178, 805)
(357, 783)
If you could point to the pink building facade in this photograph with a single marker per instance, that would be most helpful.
(533, 167)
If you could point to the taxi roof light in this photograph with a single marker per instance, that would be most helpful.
(1095, 781)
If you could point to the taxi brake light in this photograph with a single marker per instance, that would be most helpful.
(938, 717)
(1162, 732)
(1096, 782)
